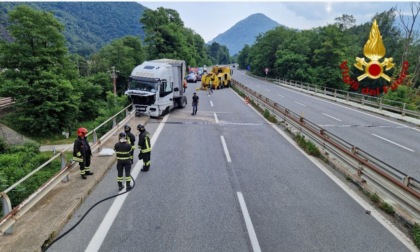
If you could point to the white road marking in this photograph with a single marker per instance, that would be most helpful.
(215, 118)
(383, 138)
(211, 103)
(347, 107)
(332, 117)
(282, 96)
(102, 231)
(248, 223)
(300, 104)
(225, 149)
(268, 90)
(374, 213)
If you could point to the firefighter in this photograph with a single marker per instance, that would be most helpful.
(144, 147)
(82, 152)
(123, 150)
(184, 85)
(131, 140)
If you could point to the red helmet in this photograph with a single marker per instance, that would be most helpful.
(82, 132)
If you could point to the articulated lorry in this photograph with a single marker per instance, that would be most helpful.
(155, 87)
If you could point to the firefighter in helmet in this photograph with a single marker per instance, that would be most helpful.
(144, 147)
(131, 140)
(123, 150)
(82, 152)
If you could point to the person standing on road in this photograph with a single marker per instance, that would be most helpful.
(82, 152)
(123, 150)
(195, 99)
(144, 147)
(210, 87)
(131, 140)
(184, 85)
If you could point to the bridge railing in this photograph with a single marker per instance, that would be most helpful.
(363, 99)
(11, 215)
(6, 102)
(393, 186)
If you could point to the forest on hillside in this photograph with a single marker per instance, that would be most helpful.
(88, 25)
(56, 90)
(314, 56)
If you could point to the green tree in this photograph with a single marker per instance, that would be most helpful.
(263, 52)
(345, 22)
(219, 54)
(163, 29)
(166, 37)
(124, 54)
(38, 73)
(328, 56)
(243, 57)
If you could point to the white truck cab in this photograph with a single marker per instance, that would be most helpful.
(155, 87)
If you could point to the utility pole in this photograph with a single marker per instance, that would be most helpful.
(114, 79)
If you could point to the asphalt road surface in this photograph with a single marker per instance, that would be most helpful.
(227, 180)
(394, 142)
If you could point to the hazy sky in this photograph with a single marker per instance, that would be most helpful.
(211, 18)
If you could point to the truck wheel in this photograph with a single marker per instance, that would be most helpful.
(182, 102)
(166, 111)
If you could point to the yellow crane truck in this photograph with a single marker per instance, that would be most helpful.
(219, 77)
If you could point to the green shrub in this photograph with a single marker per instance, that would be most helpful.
(266, 113)
(17, 162)
(308, 146)
(416, 234)
(375, 198)
(387, 208)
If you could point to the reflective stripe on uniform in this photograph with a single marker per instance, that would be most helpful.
(123, 155)
(148, 149)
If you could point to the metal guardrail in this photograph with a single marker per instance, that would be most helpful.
(393, 186)
(367, 100)
(6, 102)
(10, 216)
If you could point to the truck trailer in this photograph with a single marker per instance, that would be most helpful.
(155, 87)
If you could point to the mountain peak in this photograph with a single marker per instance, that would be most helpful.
(245, 32)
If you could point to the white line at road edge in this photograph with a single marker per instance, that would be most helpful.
(102, 231)
(225, 149)
(383, 138)
(248, 223)
(215, 118)
(349, 107)
(331, 117)
(211, 103)
(373, 212)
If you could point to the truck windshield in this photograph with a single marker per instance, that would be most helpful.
(143, 86)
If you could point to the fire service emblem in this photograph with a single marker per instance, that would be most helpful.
(374, 50)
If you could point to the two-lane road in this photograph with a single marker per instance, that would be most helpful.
(394, 142)
(226, 180)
